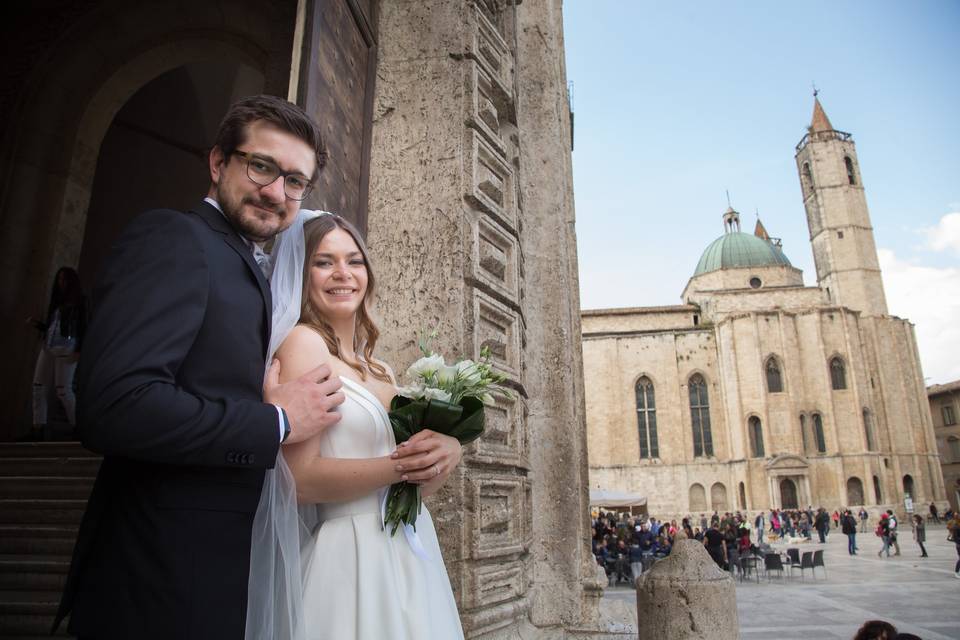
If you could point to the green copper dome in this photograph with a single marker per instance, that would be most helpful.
(738, 249)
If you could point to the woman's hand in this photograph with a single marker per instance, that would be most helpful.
(427, 458)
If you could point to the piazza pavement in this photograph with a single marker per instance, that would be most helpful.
(919, 596)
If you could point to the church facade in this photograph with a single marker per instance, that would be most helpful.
(759, 392)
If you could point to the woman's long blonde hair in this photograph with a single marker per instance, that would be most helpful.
(366, 332)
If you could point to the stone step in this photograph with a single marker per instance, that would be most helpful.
(32, 581)
(26, 487)
(30, 602)
(37, 539)
(85, 466)
(44, 450)
(32, 626)
(42, 511)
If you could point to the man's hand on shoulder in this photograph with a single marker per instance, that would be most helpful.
(301, 381)
(309, 401)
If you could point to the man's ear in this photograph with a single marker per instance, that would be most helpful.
(216, 161)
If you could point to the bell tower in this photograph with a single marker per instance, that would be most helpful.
(843, 247)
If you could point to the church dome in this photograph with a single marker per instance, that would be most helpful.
(738, 249)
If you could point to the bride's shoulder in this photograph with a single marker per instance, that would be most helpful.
(303, 347)
(304, 335)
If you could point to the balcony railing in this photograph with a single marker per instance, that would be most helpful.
(823, 136)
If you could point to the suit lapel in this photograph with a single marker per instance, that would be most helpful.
(220, 224)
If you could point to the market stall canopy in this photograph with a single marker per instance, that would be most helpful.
(602, 498)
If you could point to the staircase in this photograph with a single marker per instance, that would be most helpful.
(44, 488)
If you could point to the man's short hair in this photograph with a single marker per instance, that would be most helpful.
(280, 113)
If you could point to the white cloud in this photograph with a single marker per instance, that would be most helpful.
(930, 298)
(945, 235)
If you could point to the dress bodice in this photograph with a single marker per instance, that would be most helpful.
(363, 431)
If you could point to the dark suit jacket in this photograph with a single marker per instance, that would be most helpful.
(170, 385)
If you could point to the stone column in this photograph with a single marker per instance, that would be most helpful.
(471, 231)
(687, 597)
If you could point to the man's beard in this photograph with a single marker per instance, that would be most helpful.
(251, 226)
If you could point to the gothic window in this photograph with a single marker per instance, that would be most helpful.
(868, 430)
(700, 417)
(805, 435)
(647, 419)
(948, 416)
(838, 373)
(818, 433)
(953, 444)
(876, 490)
(774, 378)
(743, 496)
(756, 437)
(807, 176)
(851, 176)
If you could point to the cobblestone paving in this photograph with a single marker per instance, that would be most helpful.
(919, 596)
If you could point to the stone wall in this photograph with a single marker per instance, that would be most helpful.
(945, 410)
(471, 229)
(730, 351)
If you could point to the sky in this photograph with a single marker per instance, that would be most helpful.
(678, 103)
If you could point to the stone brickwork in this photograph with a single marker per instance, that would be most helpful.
(945, 410)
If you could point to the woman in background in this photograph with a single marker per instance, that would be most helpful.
(62, 334)
(920, 533)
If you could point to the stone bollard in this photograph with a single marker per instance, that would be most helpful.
(687, 597)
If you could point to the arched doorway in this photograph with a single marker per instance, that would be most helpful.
(154, 153)
(698, 498)
(854, 492)
(788, 494)
(908, 487)
(78, 89)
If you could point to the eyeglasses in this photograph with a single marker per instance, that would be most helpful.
(264, 172)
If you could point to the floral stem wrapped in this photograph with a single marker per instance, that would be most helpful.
(447, 399)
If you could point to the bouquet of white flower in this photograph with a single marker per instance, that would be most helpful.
(445, 398)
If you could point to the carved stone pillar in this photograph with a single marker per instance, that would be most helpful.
(471, 231)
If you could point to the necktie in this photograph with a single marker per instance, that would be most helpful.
(263, 261)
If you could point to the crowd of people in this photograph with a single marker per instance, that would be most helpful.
(626, 545)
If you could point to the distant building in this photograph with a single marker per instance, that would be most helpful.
(759, 392)
(945, 411)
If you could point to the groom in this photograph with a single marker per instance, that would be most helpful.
(172, 393)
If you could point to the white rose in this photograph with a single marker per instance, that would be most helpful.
(413, 391)
(426, 366)
(430, 393)
(468, 371)
(446, 375)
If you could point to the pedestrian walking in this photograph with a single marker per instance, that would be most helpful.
(894, 532)
(920, 533)
(849, 525)
(864, 516)
(953, 526)
(934, 514)
(883, 532)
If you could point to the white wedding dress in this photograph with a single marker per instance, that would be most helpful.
(359, 582)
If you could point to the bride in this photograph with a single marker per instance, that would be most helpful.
(330, 570)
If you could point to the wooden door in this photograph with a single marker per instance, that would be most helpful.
(336, 87)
